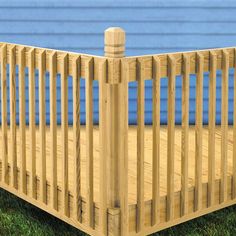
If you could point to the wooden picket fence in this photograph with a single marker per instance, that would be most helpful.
(41, 174)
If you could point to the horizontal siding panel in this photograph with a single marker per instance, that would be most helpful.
(107, 13)
(14, 28)
(109, 4)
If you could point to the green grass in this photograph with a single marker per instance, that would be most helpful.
(20, 218)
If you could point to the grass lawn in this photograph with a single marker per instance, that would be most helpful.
(20, 218)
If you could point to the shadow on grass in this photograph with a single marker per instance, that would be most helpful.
(18, 217)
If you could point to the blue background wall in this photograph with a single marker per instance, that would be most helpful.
(151, 26)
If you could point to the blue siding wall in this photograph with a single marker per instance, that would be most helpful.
(151, 26)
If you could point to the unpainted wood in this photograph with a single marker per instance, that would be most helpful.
(53, 128)
(156, 141)
(234, 132)
(224, 126)
(114, 42)
(64, 128)
(13, 117)
(4, 112)
(140, 145)
(31, 65)
(170, 137)
(185, 135)
(42, 123)
(123, 129)
(103, 136)
(76, 139)
(89, 141)
(22, 118)
(179, 62)
(198, 132)
(211, 127)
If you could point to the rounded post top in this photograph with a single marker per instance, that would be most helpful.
(114, 41)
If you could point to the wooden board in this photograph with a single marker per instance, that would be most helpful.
(132, 145)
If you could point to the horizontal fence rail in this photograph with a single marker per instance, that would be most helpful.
(67, 145)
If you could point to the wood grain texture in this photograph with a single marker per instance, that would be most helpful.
(198, 132)
(171, 138)
(4, 112)
(103, 136)
(185, 135)
(140, 145)
(224, 126)
(76, 139)
(31, 66)
(22, 118)
(234, 132)
(89, 141)
(42, 124)
(123, 151)
(156, 141)
(211, 127)
(53, 128)
(64, 129)
(13, 118)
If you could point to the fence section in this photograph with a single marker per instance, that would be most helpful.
(201, 197)
(37, 162)
(85, 174)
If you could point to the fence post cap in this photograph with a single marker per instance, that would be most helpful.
(114, 41)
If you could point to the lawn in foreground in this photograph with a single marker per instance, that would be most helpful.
(17, 217)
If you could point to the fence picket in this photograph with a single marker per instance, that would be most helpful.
(76, 138)
(185, 135)
(32, 121)
(42, 124)
(140, 145)
(103, 145)
(53, 129)
(224, 126)
(22, 119)
(198, 132)
(64, 129)
(4, 112)
(156, 141)
(13, 147)
(170, 137)
(211, 129)
(123, 149)
(89, 141)
(234, 132)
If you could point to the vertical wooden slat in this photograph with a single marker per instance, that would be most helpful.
(140, 145)
(4, 112)
(53, 128)
(185, 136)
(103, 145)
(211, 127)
(170, 137)
(89, 140)
(198, 133)
(13, 117)
(224, 125)
(22, 119)
(234, 132)
(156, 141)
(42, 124)
(123, 127)
(76, 138)
(64, 129)
(32, 120)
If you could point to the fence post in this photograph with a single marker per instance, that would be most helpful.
(117, 118)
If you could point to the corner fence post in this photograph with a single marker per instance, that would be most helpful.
(117, 118)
